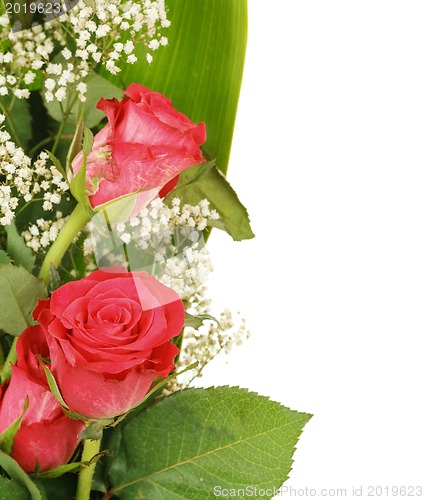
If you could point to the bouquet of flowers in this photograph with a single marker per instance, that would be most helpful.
(108, 193)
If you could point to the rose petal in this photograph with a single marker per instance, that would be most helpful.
(48, 444)
(94, 396)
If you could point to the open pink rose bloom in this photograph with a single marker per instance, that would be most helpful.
(142, 149)
(107, 337)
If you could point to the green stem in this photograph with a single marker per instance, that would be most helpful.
(38, 146)
(76, 222)
(65, 114)
(12, 357)
(27, 204)
(59, 134)
(90, 450)
(12, 103)
(13, 132)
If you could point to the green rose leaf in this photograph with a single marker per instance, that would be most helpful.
(57, 163)
(206, 181)
(78, 187)
(19, 476)
(18, 122)
(59, 471)
(87, 142)
(78, 184)
(197, 321)
(54, 388)
(199, 439)
(75, 146)
(97, 87)
(4, 258)
(17, 249)
(19, 292)
(10, 490)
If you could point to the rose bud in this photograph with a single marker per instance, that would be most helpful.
(144, 146)
(47, 438)
(109, 338)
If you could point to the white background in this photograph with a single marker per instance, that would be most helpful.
(328, 156)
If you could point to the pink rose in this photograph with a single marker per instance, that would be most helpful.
(47, 437)
(109, 338)
(145, 145)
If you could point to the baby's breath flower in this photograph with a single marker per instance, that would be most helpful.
(202, 345)
(41, 234)
(170, 237)
(95, 26)
(29, 77)
(126, 238)
(22, 179)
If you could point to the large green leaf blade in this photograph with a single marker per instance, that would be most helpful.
(19, 293)
(201, 69)
(199, 439)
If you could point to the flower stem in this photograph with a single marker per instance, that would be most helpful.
(38, 146)
(90, 450)
(59, 135)
(76, 222)
(65, 116)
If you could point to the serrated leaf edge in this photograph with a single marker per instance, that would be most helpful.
(303, 417)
